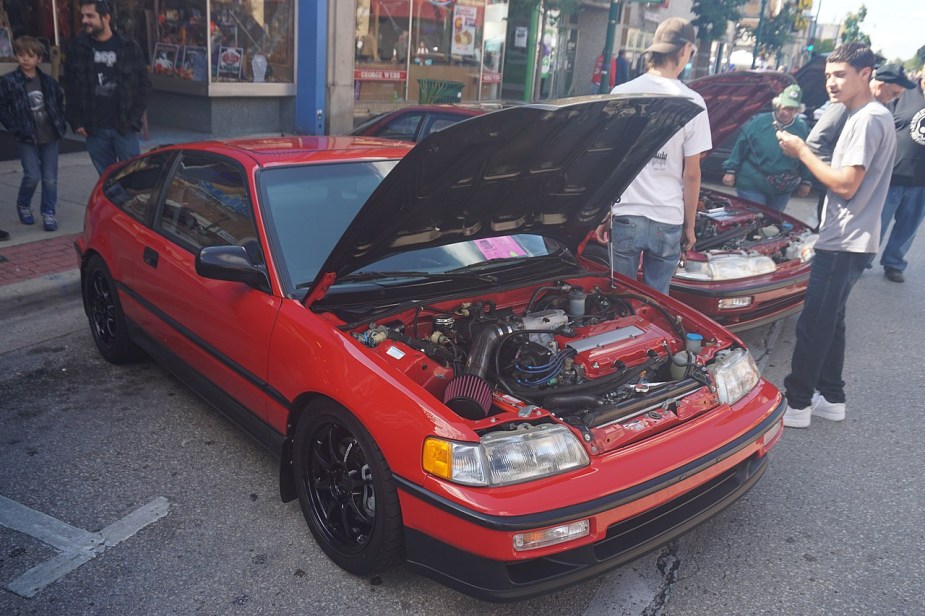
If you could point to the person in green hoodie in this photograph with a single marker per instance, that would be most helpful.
(757, 167)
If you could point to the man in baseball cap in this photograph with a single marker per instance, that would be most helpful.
(654, 217)
(671, 35)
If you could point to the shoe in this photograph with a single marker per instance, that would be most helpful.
(4, 235)
(893, 275)
(25, 215)
(833, 411)
(797, 418)
(49, 222)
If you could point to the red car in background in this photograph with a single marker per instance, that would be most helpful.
(751, 263)
(410, 332)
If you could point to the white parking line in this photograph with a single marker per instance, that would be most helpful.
(76, 545)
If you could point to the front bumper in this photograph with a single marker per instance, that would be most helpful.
(621, 541)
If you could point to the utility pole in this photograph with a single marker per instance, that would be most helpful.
(612, 20)
(764, 7)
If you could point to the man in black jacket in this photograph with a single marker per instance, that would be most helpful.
(107, 86)
(906, 199)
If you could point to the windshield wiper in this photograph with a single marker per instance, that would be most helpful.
(361, 276)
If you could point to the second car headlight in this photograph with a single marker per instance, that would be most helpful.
(506, 457)
(734, 374)
(727, 266)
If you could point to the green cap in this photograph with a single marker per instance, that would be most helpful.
(792, 96)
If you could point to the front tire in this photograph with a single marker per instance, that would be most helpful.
(104, 311)
(346, 491)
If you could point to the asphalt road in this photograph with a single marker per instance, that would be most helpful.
(834, 527)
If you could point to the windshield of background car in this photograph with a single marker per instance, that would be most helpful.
(307, 209)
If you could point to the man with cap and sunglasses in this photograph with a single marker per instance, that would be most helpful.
(655, 215)
(757, 167)
(107, 87)
(905, 201)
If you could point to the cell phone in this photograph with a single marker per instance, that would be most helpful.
(776, 125)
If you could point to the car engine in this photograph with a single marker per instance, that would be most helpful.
(593, 357)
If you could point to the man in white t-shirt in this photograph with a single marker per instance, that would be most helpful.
(849, 234)
(655, 215)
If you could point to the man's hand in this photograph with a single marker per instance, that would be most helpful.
(602, 232)
(729, 179)
(689, 239)
(81, 131)
(790, 144)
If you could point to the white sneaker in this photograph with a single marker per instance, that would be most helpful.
(833, 411)
(797, 418)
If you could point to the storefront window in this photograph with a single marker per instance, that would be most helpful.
(237, 41)
(429, 50)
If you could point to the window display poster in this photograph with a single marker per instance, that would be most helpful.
(464, 22)
(165, 58)
(193, 66)
(230, 61)
(520, 36)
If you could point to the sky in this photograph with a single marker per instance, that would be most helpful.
(894, 26)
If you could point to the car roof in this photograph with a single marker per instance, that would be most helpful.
(289, 150)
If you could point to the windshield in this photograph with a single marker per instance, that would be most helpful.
(309, 207)
(458, 258)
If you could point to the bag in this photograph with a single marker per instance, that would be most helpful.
(785, 182)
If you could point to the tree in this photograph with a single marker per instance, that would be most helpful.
(776, 32)
(851, 31)
(712, 19)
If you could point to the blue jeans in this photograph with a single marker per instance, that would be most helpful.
(39, 163)
(658, 243)
(819, 354)
(907, 203)
(778, 202)
(107, 146)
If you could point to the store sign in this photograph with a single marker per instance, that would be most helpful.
(491, 77)
(371, 74)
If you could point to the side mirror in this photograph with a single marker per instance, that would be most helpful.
(231, 263)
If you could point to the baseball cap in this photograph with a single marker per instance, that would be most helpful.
(792, 96)
(671, 35)
(893, 73)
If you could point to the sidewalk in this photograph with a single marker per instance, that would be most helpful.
(36, 265)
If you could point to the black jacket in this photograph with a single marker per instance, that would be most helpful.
(909, 117)
(133, 84)
(15, 114)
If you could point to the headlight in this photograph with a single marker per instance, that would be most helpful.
(727, 266)
(803, 247)
(503, 458)
(734, 373)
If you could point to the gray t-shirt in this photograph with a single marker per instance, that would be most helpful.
(868, 140)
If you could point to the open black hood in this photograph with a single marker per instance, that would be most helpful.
(552, 169)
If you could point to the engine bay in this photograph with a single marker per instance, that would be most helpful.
(613, 364)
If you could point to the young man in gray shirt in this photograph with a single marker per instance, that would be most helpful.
(849, 234)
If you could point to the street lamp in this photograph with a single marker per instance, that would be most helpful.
(764, 6)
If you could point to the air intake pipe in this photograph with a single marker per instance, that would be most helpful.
(469, 394)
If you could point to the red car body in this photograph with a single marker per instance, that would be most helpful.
(739, 303)
(262, 273)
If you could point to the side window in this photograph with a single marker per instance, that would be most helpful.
(439, 121)
(403, 127)
(207, 205)
(134, 187)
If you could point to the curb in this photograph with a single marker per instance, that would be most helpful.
(21, 296)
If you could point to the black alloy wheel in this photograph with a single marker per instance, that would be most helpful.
(104, 311)
(346, 491)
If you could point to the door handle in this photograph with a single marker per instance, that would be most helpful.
(150, 257)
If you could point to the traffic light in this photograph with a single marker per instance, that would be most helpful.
(810, 45)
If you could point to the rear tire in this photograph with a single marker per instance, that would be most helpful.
(104, 311)
(346, 491)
